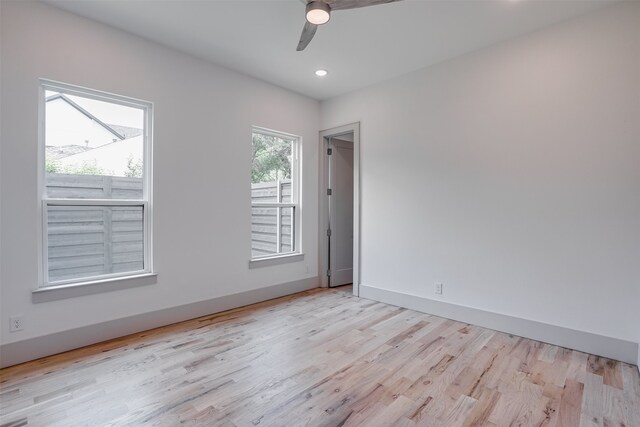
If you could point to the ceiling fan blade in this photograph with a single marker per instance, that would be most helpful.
(354, 4)
(308, 32)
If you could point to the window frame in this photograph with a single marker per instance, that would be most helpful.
(296, 201)
(45, 202)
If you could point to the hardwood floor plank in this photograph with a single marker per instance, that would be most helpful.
(592, 401)
(571, 404)
(486, 402)
(321, 358)
(612, 375)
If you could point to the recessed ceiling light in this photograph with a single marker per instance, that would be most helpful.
(321, 73)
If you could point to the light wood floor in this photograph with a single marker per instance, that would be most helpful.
(321, 358)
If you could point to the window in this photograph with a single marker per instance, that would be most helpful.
(275, 186)
(96, 185)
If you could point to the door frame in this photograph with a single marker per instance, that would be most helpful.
(323, 205)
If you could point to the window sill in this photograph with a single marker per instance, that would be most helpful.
(53, 293)
(275, 260)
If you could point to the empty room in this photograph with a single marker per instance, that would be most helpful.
(320, 213)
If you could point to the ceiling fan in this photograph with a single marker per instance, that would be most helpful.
(318, 12)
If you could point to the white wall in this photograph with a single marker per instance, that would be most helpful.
(512, 175)
(202, 152)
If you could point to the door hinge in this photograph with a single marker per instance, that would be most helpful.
(328, 232)
(329, 273)
(328, 191)
(329, 151)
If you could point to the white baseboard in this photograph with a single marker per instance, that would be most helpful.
(587, 342)
(35, 348)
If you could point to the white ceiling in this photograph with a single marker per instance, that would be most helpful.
(359, 47)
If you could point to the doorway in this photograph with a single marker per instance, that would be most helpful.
(339, 225)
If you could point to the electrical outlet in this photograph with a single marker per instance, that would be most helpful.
(438, 288)
(16, 323)
(307, 269)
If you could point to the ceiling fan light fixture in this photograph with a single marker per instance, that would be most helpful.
(321, 72)
(318, 12)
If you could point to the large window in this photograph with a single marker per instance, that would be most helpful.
(275, 209)
(96, 185)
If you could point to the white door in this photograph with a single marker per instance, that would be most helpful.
(341, 212)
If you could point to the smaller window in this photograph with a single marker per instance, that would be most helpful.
(275, 199)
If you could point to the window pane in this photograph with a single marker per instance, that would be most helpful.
(91, 147)
(271, 161)
(88, 241)
(264, 231)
